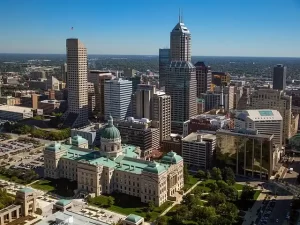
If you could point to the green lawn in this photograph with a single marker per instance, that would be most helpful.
(126, 204)
(238, 186)
(61, 187)
(192, 181)
(256, 194)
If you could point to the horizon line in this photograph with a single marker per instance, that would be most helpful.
(5, 53)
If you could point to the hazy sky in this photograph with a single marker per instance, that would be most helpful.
(218, 27)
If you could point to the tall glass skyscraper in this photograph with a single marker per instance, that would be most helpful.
(164, 62)
(181, 78)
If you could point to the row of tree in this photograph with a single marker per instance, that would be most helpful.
(20, 176)
(5, 199)
(37, 133)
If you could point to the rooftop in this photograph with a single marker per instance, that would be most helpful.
(260, 115)
(63, 202)
(253, 136)
(18, 109)
(193, 137)
(133, 218)
(26, 190)
(63, 216)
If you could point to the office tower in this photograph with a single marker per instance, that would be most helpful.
(228, 91)
(117, 98)
(136, 80)
(98, 78)
(180, 43)
(276, 100)
(220, 78)
(64, 72)
(36, 75)
(246, 152)
(77, 113)
(163, 64)
(161, 113)
(214, 100)
(181, 78)
(143, 100)
(279, 77)
(265, 121)
(181, 86)
(203, 77)
(198, 150)
(155, 105)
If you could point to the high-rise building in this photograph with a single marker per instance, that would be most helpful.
(163, 63)
(276, 100)
(214, 100)
(180, 43)
(161, 113)
(77, 113)
(64, 72)
(155, 105)
(181, 86)
(203, 77)
(220, 78)
(117, 98)
(279, 77)
(98, 78)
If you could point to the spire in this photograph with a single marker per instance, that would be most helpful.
(179, 16)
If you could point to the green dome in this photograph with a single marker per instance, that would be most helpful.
(171, 158)
(110, 131)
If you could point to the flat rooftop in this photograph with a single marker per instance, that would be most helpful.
(90, 128)
(77, 219)
(193, 137)
(18, 109)
(254, 136)
(52, 101)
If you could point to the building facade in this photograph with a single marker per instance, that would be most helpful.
(203, 77)
(248, 153)
(276, 100)
(115, 168)
(77, 113)
(279, 77)
(117, 98)
(198, 150)
(163, 64)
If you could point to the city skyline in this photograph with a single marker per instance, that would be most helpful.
(254, 28)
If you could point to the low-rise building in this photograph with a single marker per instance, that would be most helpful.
(50, 106)
(91, 133)
(15, 113)
(115, 167)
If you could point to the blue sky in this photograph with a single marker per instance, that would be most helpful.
(218, 27)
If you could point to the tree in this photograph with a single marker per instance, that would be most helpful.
(221, 184)
(151, 206)
(212, 186)
(189, 200)
(230, 192)
(208, 175)
(229, 211)
(203, 215)
(201, 174)
(247, 193)
(198, 191)
(148, 216)
(216, 174)
(110, 201)
(162, 220)
(228, 175)
(215, 199)
(186, 175)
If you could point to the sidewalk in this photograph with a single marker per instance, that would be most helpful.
(251, 214)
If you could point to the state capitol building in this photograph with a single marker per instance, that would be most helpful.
(115, 167)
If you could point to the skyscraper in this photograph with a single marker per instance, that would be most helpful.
(164, 62)
(117, 98)
(181, 78)
(203, 77)
(180, 42)
(77, 113)
(279, 77)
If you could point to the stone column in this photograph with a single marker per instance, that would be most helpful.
(17, 213)
(2, 220)
(9, 217)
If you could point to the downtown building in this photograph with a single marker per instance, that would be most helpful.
(279, 77)
(114, 168)
(276, 100)
(203, 77)
(181, 78)
(154, 105)
(77, 113)
(117, 99)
